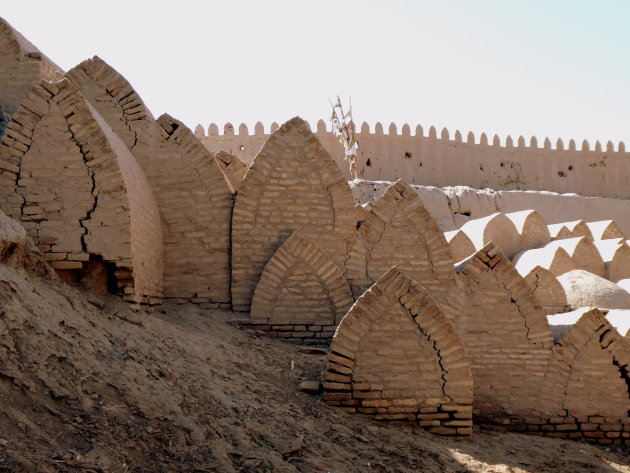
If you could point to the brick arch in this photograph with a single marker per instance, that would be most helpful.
(400, 231)
(79, 191)
(395, 356)
(195, 203)
(590, 371)
(301, 285)
(293, 184)
(113, 97)
(505, 332)
(22, 66)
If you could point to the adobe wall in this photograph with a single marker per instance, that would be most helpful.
(447, 160)
(292, 185)
(301, 296)
(506, 335)
(396, 357)
(398, 231)
(79, 192)
(22, 66)
(193, 195)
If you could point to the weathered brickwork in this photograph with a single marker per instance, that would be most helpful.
(301, 287)
(495, 228)
(233, 168)
(195, 202)
(532, 228)
(79, 192)
(587, 391)
(113, 97)
(605, 229)
(400, 232)
(547, 290)
(460, 245)
(555, 259)
(293, 184)
(505, 333)
(396, 357)
(616, 256)
(574, 229)
(583, 253)
(22, 66)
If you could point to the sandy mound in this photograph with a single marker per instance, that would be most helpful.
(91, 389)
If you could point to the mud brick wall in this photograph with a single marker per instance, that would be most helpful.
(398, 231)
(233, 168)
(194, 197)
(22, 66)
(293, 184)
(587, 391)
(548, 290)
(506, 335)
(396, 357)
(583, 253)
(195, 202)
(79, 191)
(301, 294)
(531, 226)
(113, 97)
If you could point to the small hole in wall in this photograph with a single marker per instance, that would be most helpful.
(561, 174)
(368, 162)
(480, 167)
(242, 148)
(408, 155)
(502, 164)
(420, 164)
(570, 168)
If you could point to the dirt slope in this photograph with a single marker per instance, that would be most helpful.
(90, 389)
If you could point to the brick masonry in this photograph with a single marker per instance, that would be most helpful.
(505, 332)
(396, 357)
(22, 67)
(302, 294)
(293, 184)
(398, 231)
(79, 192)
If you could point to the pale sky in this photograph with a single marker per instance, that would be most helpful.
(556, 68)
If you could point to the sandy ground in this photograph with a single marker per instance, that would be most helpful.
(88, 385)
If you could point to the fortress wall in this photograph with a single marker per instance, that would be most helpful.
(589, 170)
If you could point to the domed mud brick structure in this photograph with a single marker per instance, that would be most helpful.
(106, 196)
(293, 184)
(396, 357)
(80, 193)
(398, 231)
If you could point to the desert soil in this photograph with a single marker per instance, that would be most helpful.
(88, 385)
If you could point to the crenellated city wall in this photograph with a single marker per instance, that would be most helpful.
(450, 159)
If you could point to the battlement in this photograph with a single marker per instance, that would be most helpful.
(448, 159)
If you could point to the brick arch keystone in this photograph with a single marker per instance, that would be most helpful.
(301, 285)
(395, 356)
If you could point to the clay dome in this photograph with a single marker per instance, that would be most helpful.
(584, 289)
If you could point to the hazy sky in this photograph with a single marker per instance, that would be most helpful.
(556, 68)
